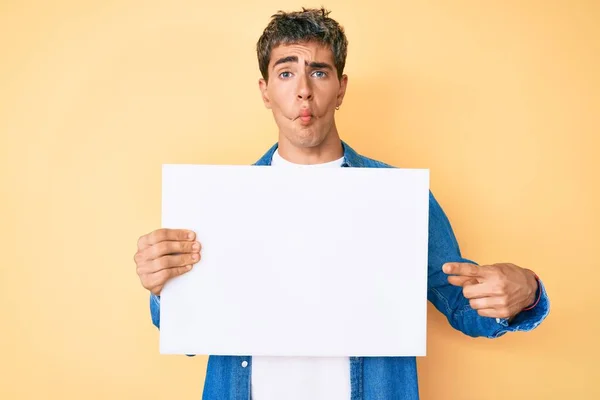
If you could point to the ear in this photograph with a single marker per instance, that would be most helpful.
(342, 91)
(262, 85)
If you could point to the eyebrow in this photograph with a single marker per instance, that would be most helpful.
(314, 64)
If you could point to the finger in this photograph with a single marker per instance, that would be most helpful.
(157, 280)
(165, 248)
(461, 280)
(138, 257)
(488, 302)
(180, 270)
(462, 269)
(180, 260)
(165, 234)
(495, 312)
(169, 262)
(478, 291)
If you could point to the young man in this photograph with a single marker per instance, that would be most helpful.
(301, 57)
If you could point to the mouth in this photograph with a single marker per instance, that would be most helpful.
(305, 117)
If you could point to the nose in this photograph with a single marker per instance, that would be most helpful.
(304, 88)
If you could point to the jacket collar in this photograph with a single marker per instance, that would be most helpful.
(351, 158)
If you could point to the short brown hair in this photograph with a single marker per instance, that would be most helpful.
(298, 27)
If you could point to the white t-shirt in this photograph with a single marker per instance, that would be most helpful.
(301, 378)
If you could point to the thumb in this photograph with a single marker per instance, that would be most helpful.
(462, 280)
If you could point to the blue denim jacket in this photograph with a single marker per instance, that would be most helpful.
(383, 378)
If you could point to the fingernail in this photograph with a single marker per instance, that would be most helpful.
(188, 267)
(191, 235)
(196, 246)
(195, 257)
(447, 268)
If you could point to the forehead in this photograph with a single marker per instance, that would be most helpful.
(308, 51)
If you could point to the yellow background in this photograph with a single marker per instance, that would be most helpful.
(499, 99)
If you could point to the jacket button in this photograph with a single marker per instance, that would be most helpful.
(244, 364)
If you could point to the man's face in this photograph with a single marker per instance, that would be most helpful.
(303, 91)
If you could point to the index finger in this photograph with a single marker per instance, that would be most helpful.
(462, 269)
(164, 234)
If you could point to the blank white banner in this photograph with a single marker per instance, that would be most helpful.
(298, 262)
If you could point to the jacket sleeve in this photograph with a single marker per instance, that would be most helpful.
(155, 309)
(449, 299)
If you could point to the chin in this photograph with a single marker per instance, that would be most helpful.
(307, 139)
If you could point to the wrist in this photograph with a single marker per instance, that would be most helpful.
(535, 295)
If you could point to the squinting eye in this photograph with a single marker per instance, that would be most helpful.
(320, 74)
(285, 75)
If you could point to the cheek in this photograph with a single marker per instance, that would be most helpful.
(281, 94)
(326, 98)
(280, 105)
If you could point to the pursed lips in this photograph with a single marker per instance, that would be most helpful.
(305, 116)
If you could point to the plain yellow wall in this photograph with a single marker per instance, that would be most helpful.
(499, 99)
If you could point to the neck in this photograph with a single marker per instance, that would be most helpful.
(328, 150)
